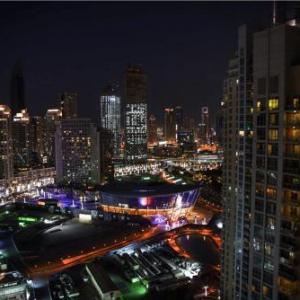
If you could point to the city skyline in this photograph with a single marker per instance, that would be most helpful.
(152, 173)
(185, 73)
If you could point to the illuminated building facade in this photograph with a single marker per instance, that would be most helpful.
(105, 146)
(136, 116)
(76, 151)
(37, 139)
(17, 89)
(170, 125)
(21, 140)
(6, 148)
(149, 200)
(152, 131)
(274, 255)
(30, 181)
(68, 102)
(110, 115)
(204, 126)
(261, 184)
(220, 124)
(179, 120)
(237, 144)
(51, 120)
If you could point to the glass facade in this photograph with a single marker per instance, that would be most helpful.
(110, 117)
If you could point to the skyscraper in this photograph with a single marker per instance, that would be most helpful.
(17, 89)
(51, 120)
(135, 114)
(76, 151)
(237, 168)
(21, 140)
(204, 126)
(179, 120)
(261, 183)
(152, 131)
(220, 124)
(274, 255)
(68, 103)
(110, 115)
(170, 125)
(105, 146)
(6, 150)
(37, 139)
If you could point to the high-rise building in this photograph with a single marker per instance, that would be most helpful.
(110, 115)
(68, 104)
(6, 150)
(264, 198)
(135, 114)
(274, 255)
(21, 140)
(17, 89)
(237, 169)
(51, 120)
(105, 146)
(190, 125)
(179, 120)
(152, 131)
(204, 126)
(170, 125)
(76, 151)
(37, 139)
(230, 143)
(220, 124)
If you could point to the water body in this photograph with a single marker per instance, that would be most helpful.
(200, 248)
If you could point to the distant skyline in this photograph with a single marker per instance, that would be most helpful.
(80, 47)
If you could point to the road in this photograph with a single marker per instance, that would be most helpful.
(52, 267)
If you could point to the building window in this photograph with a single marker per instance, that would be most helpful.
(272, 149)
(292, 150)
(261, 134)
(259, 219)
(260, 148)
(261, 86)
(272, 164)
(273, 104)
(271, 208)
(273, 134)
(293, 103)
(261, 120)
(293, 134)
(260, 105)
(260, 162)
(270, 223)
(271, 193)
(273, 119)
(292, 119)
(274, 85)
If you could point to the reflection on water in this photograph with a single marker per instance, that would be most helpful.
(200, 248)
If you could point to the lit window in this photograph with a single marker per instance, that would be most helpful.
(273, 134)
(258, 105)
(273, 104)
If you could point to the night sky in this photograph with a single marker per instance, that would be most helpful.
(183, 47)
